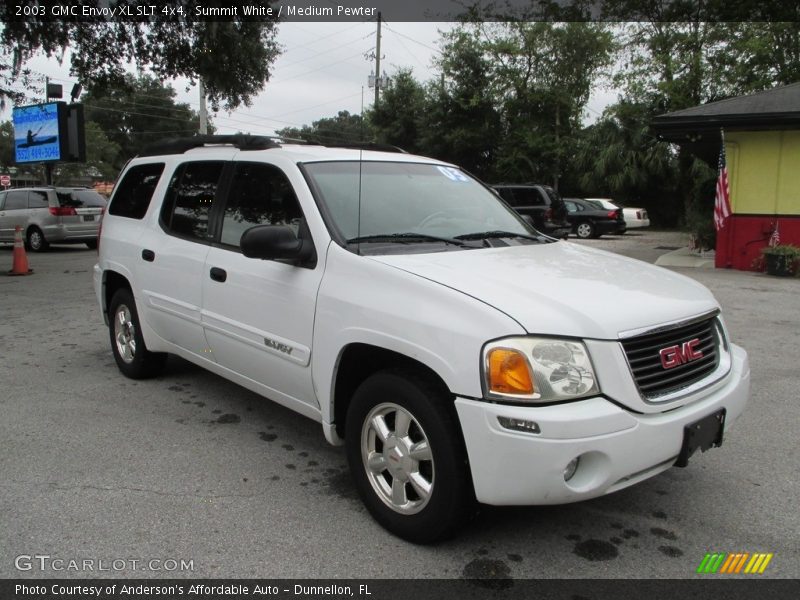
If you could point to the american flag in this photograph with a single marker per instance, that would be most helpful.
(775, 238)
(722, 201)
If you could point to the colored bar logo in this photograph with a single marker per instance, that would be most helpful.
(735, 563)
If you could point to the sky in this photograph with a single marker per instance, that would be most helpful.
(322, 70)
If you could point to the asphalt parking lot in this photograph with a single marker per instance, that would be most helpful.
(191, 467)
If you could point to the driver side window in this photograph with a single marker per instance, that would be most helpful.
(260, 195)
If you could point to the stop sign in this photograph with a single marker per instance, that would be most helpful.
(5, 180)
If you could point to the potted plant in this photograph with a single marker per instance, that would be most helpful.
(781, 260)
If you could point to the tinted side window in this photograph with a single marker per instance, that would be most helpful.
(37, 199)
(190, 198)
(133, 194)
(16, 200)
(508, 195)
(528, 197)
(260, 195)
(552, 194)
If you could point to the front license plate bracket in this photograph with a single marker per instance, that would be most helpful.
(701, 435)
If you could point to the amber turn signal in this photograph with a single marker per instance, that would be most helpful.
(509, 372)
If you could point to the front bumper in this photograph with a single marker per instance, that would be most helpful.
(618, 448)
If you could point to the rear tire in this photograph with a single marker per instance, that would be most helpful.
(36, 240)
(407, 457)
(132, 356)
(585, 230)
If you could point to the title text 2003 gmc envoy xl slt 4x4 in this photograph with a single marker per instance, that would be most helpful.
(458, 354)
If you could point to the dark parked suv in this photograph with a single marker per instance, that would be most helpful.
(539, 202)
(63, 215)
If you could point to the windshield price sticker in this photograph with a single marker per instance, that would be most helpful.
(453, 174)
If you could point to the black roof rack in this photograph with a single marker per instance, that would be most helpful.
(181, 145)
(359, 146)
(252, 142)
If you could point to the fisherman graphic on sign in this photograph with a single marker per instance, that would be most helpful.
(31, 141)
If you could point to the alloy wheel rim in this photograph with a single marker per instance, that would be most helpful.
(584, 230)
(35, 240)
(397, 458)
(125, 334)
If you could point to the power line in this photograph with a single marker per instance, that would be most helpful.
(411, 54)
(413, 40)
(319, 39)
(326, 51)
(130, 112)
(315, 70)
(216, 117)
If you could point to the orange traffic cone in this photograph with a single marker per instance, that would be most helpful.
(20, 266)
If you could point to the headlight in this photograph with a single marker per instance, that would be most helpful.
(538, 370)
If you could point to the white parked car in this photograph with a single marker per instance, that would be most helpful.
(634, 217)
(419, 320)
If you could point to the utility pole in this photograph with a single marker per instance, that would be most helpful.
(378, 62)
(203, 109)
(48, 167)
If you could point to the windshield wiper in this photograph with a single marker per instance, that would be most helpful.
(409, 237)
(485, 235)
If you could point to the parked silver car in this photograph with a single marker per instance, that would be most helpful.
(62, 215)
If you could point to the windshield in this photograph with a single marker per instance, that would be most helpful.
(406, 198)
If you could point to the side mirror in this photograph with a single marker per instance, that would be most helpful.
(269, 242)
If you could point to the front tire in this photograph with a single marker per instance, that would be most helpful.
(406, 455)
(36, 240)
(132, 356)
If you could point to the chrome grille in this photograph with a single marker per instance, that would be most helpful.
(651, 377)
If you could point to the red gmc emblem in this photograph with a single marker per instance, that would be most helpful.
(673, 356)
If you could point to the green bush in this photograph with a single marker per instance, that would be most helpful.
(782, 250)
(700, 226)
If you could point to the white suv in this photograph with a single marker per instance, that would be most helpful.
(458, 354)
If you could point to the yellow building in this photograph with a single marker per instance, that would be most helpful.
(762, 146)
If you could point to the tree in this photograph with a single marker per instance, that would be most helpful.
(232, 57)
(462, 124)
(6, 145)
(397, 119)
(758, 56)
(543, 74)
(620, 157)
(670, 66)
(343, 128)
(137, 113)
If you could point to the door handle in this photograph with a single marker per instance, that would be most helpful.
(218, 274)
(148, 255)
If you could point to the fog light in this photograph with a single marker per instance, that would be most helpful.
(569, 471)
(519, 425)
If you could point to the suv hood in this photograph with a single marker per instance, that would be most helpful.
(564, 289)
